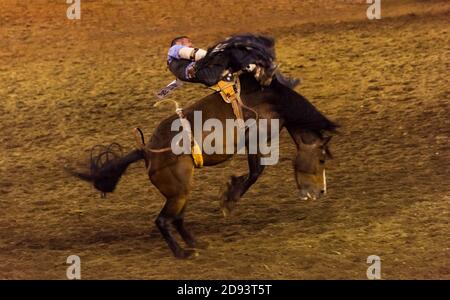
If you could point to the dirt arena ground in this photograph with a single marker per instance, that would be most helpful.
(66, 85)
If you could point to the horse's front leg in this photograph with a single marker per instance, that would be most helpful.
(239, 185)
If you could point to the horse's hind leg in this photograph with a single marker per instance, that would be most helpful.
(186, 235)
(169, 215)
(174, 182)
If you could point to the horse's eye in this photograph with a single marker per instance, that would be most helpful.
(322, 161)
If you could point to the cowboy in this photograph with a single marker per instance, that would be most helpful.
(183, 60)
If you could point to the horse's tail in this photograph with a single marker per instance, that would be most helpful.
(109, 164)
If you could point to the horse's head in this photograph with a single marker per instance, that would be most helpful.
(309, 165)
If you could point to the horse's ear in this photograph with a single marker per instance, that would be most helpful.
(328, 152)
(326, 141)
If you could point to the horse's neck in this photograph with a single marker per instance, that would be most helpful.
(248, 83)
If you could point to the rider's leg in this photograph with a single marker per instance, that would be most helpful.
(209, 75)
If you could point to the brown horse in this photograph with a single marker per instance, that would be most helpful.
(172, 174)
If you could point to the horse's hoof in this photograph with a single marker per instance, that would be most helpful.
(223, 199)
(227, 207)
(225, 212)
(186, 253)
(227, 200)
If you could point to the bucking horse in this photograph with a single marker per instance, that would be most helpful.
(261, 98)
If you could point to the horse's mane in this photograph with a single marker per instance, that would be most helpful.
(295, 109)
(240, 50)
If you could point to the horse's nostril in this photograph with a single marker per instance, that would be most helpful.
(322, 192)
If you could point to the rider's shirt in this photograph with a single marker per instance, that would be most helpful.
(174, 53)
(177, 65)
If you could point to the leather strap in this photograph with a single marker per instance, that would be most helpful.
(193, 53)
(230, 95)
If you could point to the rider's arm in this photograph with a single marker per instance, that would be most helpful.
(194, 54)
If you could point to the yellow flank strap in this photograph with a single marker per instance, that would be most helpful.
(196, 152)
(197, 155)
